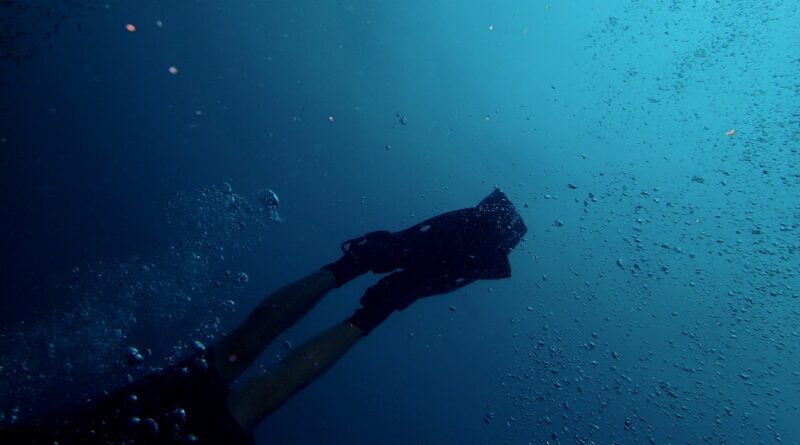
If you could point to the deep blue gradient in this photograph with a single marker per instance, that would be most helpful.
(655, 298)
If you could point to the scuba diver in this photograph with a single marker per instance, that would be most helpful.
(192, 402)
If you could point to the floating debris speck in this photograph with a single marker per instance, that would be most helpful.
(269, 202)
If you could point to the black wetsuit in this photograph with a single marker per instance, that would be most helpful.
(183, 404)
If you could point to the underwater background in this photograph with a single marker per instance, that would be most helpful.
(652, 148)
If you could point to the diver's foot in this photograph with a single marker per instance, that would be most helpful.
(374, 252)
(346, 269)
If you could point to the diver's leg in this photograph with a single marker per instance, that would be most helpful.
(258, 398)
(235, 352)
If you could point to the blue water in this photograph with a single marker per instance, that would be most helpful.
(653, 148)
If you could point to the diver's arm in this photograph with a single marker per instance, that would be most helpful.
(235, 352)
(257, 399)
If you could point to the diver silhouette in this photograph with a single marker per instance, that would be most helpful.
(192, 401)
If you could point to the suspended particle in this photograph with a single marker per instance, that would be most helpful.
(731, 132)
(133, 356)
(173, 70)
(269, 204)
(149, 425)
(130, 27)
